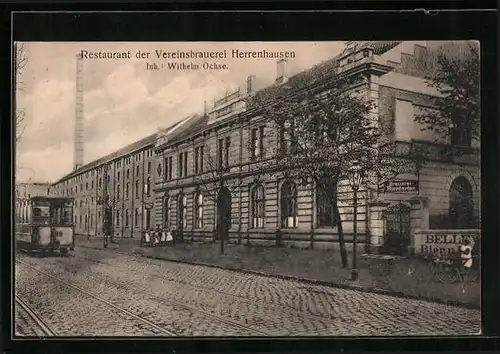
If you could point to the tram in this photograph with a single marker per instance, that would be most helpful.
(46, 225)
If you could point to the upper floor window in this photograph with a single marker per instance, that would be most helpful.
(460, 136)
(198, 159)
(182, 164)
(137, 188)
(127, 190)
(149, 166)
(128, 173)
(258, 207)
(223, 152)
(168, 168)
(257, 142)
(287, 141)
(137, 171)
(288, 204)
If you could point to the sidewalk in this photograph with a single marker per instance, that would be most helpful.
(405, 277)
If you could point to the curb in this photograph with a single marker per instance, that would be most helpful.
(372, 290)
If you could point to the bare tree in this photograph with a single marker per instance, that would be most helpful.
(20, 61)
(325, 131)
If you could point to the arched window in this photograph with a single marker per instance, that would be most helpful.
(324, 204)
(288, 204)
(198, 210)
(258, 210)
(461, 208)
(166, 214)
(182, 206)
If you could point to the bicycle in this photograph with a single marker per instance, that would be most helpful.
(450, 271)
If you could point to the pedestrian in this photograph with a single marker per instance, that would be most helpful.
(147, 238)
(466, 255)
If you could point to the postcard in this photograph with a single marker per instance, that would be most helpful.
(248, 189)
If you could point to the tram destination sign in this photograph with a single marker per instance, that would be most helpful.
(401, 186)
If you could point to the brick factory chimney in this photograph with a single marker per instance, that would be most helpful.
(281, 77)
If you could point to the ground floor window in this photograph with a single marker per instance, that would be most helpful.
(258, 207)
(324, 204)
(288, 204)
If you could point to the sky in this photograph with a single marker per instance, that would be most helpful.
(123, 100)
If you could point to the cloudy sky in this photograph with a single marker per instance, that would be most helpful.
(123, 101)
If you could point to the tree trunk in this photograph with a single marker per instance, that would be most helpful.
(343, 251)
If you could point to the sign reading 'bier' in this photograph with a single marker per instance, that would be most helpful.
(442, 242)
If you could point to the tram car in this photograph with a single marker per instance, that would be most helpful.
(45, 225)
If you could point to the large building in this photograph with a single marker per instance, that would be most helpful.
(125, 180)
(175, 178)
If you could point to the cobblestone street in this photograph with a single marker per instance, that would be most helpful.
(102, 293)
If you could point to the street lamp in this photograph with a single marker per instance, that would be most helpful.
(355, 180)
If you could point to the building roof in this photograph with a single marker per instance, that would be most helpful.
(306, 77)
(137, 145)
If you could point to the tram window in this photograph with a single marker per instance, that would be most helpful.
(37, 212)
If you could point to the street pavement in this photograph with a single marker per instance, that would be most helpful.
(103, 293)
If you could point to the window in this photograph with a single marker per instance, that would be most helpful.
(198, 210)
(137, 188)
(149, 166)
(91, 220)
(288, 140)
(183, 156)
(223, 156)
(147, 186)
(118, 192)
(118, 218)
(126, 218)
(100, 182)
(288, 204)
(92, 185)
(127, 190)
(324, 206)
(76, 189)
(166, 220)
(137, 171)
(168, 168)
(257, 142)
(81, 203)
(118, 176)
(128, 173)
(198, 159)
(182, 205)
(136, 217)
(80, 221)
(258, 203)
(460, 136)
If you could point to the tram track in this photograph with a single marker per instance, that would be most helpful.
(98, 298)
(160, 299)
(248, 300)
(44, 330)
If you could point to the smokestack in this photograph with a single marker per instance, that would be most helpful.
(250, 82)
(281, 77)
(79, 120)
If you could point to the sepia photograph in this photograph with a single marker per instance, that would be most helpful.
(247, 189)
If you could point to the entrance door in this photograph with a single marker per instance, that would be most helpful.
(224, 212)
(148, 219)
(398, 229)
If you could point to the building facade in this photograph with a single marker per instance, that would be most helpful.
(224, 159)
(215, 164)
